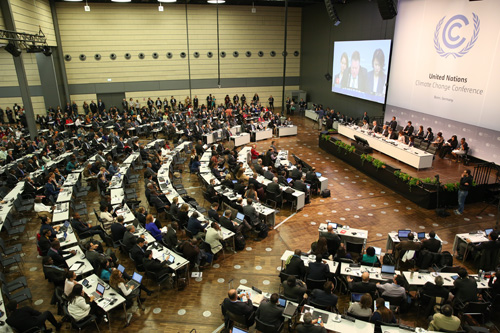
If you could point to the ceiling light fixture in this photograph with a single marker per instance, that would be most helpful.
(86, 7)
(254, 10)
(121, 0)
(216, 1)
(160, 8)
(73, 0)
(168, 1)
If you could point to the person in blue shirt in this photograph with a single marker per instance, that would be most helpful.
(195, 226)
(50, 188)
(71, 165)
(369, 257)
(113, 168)
(195, 165)
(153, 228)
(321, 114)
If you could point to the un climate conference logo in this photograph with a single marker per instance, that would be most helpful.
(450, 37)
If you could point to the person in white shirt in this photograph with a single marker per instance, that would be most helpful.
(41, 207)
(117, 282)
(78, 308)
(105, 215)
(363, 307)
(70, 282)
(214, 237)
(3, 154)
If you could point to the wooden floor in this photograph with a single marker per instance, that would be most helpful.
(356, 200)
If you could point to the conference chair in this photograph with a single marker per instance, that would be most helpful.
(82, 323)
(267, 328)
(20, 296)
(315, 284)
(15, 284)
(476, 310)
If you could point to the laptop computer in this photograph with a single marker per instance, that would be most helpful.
(315, 314)
(234, 181)
(378, 250)
(99, 291)
(282, 302)
(239, 218)
(421, 235)
(289, 180)
(403, 234)
(386, 303)
(333, 224)
(121, 268)
(63, 238)
(356, 297)
(171, 259)
(65, 226)
(387, 271)
(135, 281)
(488, 231)
(289, 309)
(238, 330)
(318, 174)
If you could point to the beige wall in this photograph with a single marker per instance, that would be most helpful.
(37, 101)
(30, 15)
(134, 28)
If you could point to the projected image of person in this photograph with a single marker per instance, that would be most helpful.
(377, 77)
(344, 62)
(355, 77)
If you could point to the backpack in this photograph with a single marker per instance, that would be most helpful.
(239, 242)
(389, 259)
(264, 230)
(325, 193)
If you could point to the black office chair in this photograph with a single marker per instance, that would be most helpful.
(159, 279)
(20, 282)
(355, 249)
(267, 328)
(367, 319)
(82, 323)
(315, 284)
(476, 310)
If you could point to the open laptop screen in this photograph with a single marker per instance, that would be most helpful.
(240, 216)
(488, 231)
(333, 224)
(403, 233)
(137, 277)
(388, 269)
(100, 289)
(121, 268)
(378, 250)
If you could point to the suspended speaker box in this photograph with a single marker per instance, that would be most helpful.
(388, 9)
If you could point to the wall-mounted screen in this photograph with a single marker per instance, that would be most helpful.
(360, 68)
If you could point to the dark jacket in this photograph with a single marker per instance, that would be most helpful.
(270, 313)
(296, 267)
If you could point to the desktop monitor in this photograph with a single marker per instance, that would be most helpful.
(403, 233)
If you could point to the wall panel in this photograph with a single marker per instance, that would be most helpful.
(104, 30)
(29, 15)
(37, 101)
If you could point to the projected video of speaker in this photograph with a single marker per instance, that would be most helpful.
(360, 68)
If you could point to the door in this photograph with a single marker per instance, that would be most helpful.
(112, 99)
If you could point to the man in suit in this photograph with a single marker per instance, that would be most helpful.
(393, 124)
(226, 222)
(297, 173)
(363, 286)
(170, 237)
(269, 312)
(26, 319)
(56, 254)
(431, 244)
(199, 148)
(84, 227)
(465, 287)
(318, 270)
(325, 296)
(53, 273)
(408, 130)
(258, 167)
(332, 239)
(275, 189)
(212, 213)
(101, 106)
(309, 325)
(154, 265)
(300, 185)
(138, 252)
(129, 239)
(295, 265)
(234, 304)
(392, 134)
(436, 289)
(403, 247)
(355, 77)
(251, 213)
(376, 128)
(118, 229)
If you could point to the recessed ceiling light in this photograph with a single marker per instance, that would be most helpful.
(121, 0)
(73, 0)
(167, 0)
(216, 1)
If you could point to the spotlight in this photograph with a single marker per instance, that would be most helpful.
(47, 51)
(13, 49)
(87, 8)
(160, 8)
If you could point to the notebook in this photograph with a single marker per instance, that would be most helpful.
(99, 291)
(403, 234)
(135, 281)
(387, 271)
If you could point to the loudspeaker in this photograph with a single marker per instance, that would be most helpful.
(332, 13)
(13, 49)
(388, 9)
(328, 77)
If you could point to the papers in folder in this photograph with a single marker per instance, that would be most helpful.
(76, 266)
